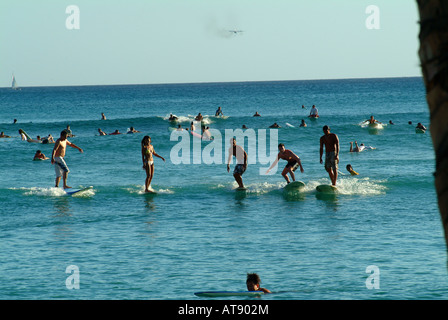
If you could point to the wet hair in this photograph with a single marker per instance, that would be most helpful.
(145, 141)
(326, 128)
(253, 278)
(281, 145)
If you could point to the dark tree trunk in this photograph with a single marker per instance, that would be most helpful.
(433, 54)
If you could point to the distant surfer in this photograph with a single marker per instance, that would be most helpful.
(253, 283)
(275, 125)
(420, 126)
(331, 143)
(241, 161)
(47, 139)
(350, 169)
(132, 130)
(219, 112)
(27, 138)
(40, 156)
(314, 113)
(69, 132)
(115, 133)
(3, 135)
(101, 132)
(148, 161)
(57, 158)
(359, 148)
(257, 114)
(372, 120)
(199, 117)
(103, 117)
(172, 117)
(293, 162)
(206, 135)
(302, 123)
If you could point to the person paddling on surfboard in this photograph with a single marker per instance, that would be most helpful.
(148, 161)
(57, 158)
(253, 283)
(314, 113)
(241, 161)
(293, 162)
(331, 143)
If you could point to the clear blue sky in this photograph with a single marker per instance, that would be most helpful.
(176, 41)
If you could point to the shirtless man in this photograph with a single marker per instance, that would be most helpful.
(331, 142)
(57, 158)
(291, 166)
(241, 162)
(372, 120)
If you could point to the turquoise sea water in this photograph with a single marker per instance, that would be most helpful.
(197, 233)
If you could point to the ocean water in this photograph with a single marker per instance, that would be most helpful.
(197, 233)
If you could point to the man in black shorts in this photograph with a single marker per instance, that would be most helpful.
(293, 162)
(241, 161)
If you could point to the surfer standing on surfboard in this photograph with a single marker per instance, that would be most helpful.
(148, 161)
(293, 162)
(331, 142)
(241, 161)
(57, 158)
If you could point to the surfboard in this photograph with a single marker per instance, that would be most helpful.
(197, 135)
(295, 185)
(240, 189)
(71, 192)
(375, 125)
(289, 125)
(26, 134)
(229, 293)
(418, 130)
(326, 188)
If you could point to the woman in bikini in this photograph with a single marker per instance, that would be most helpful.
(148, 161)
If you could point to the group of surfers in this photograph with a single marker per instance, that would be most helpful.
(328, 141)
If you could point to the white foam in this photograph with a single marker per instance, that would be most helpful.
(352, 185)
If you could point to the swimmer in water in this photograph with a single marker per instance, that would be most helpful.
(253, 283)
(350, 169)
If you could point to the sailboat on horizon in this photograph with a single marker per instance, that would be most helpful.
(14, 85)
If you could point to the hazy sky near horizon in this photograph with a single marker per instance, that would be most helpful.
(178, 41)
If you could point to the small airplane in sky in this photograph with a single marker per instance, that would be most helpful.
(234, 31)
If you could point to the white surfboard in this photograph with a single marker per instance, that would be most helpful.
(294, 186)
(229, 293)
(74, 191)
(326, 188)
(289, 125)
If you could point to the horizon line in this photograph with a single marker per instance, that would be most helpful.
(205, 82)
